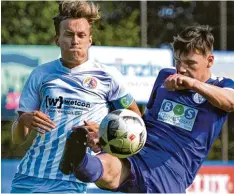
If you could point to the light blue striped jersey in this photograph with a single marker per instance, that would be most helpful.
(68, 96)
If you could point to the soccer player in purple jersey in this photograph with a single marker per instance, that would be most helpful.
(185, 113)
(60, 94)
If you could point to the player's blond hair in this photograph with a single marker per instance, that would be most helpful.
(198, 39)
(76, 9)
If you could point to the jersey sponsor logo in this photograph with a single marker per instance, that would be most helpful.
(199, 99)
(177, 114)
(90, 83)
(60, 101)
(67, 112)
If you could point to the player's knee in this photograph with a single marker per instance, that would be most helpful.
(115, 178)
(111, 180)
(116, 172)
(109, 183)
(113, 185)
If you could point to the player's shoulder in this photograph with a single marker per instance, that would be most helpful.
(165, 72)
(105, 69)
(168, 71)
(221, 81)
(46, 67)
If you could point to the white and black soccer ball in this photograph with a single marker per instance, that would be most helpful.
(122, 133)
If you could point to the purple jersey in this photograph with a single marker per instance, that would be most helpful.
(181, 127)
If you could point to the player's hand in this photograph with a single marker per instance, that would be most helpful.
(38, 121)
(91, 126)
(179, 82)
(93, 140)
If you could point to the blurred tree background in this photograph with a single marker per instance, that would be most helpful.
(30, 23)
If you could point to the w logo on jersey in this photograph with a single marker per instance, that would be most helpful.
(54, 101)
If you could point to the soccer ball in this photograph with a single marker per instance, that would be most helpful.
(122, 133)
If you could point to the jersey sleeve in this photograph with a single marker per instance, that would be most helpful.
(118, 96)
(162, 75)
(29, 99)
(227, 83)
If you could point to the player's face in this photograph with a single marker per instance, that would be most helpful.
(194, 65)
(74, 41)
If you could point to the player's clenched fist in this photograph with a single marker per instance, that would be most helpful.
(179, 82)
(38, 121)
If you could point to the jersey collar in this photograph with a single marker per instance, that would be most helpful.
(76, 69)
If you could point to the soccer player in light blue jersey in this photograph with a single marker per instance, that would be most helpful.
(70, 91)
(184, 116)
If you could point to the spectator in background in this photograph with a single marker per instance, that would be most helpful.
(63, 93)
(184, 116)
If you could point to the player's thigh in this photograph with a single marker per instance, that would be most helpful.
(115, 171)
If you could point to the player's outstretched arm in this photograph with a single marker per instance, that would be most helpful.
(28, 121)
(222, 98)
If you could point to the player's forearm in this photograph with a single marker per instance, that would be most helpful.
(19, 132)
(219, 97)
(133, 107)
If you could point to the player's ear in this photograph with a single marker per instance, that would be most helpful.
(90, 40)
(56, 40)
(210, 60)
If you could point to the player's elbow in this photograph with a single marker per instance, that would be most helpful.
(19, 136)
(230, 108)
(230, 102)
(18, 140)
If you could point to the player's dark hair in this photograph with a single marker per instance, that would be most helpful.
(198, 39)
(76, 9)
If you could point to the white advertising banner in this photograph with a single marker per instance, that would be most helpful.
(223, 64)
(140, 66)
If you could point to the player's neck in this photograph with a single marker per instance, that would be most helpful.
(72, 64)
(206, 77)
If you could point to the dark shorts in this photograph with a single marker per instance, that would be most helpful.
(150, 175)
